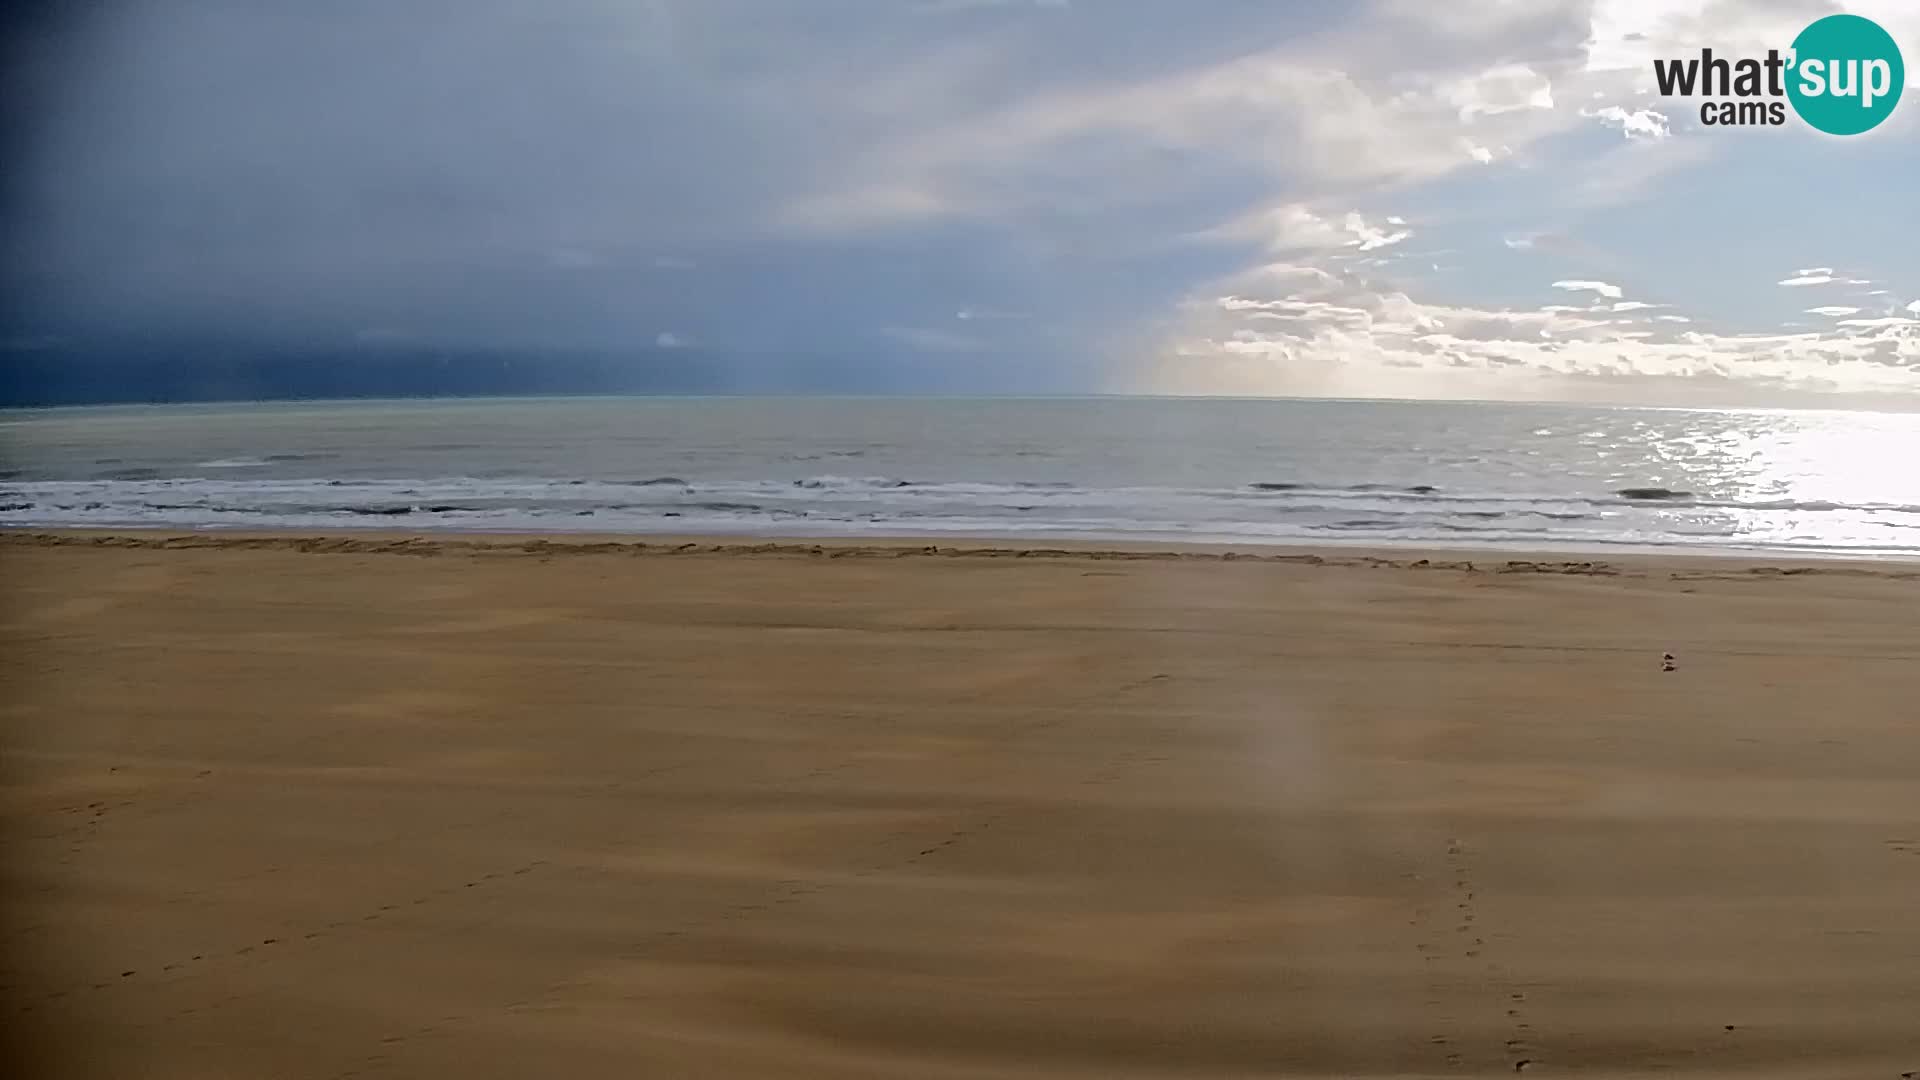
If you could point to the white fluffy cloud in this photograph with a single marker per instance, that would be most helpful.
(1611, 292)
(1504, 89)
(1290, 328)
(1888, 322)
(1294, 227)
(1640, 123)
(1373, 104)
(1833, 310)
(1369, 238)
(1820, 275)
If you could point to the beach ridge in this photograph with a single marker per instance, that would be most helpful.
(1682, 565)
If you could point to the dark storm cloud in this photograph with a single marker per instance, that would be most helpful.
(313, 164)
(750, 175)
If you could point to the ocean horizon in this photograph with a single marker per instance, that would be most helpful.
(1503, 475)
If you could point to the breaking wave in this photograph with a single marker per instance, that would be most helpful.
(1270, 511)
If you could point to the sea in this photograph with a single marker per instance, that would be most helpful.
(1534, 477)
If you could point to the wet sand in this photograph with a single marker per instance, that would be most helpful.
(388, 807)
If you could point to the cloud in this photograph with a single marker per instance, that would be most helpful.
(1887, 321)
(1293, 228)
(1820, 275)
(848, 182)
(1640, 123)
(667, 339)
(1914, 307)
(1504, 89)
(1634, 305)
(1315, 116)
(1485, 155)
(1627, 35)
(1369, 238)
(1611, 292)
(1339, 335)
(1832, 310)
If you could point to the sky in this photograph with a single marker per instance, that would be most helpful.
(1375, 198)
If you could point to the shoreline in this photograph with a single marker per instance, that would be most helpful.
(429, 543)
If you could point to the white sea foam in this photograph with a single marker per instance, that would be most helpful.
(856, 505)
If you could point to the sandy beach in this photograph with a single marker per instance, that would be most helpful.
(365, 806)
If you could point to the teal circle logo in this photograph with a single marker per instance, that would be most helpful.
(1846, 75)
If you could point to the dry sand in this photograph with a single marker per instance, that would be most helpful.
(374, 808)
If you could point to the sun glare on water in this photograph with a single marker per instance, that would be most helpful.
(1855, 459)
